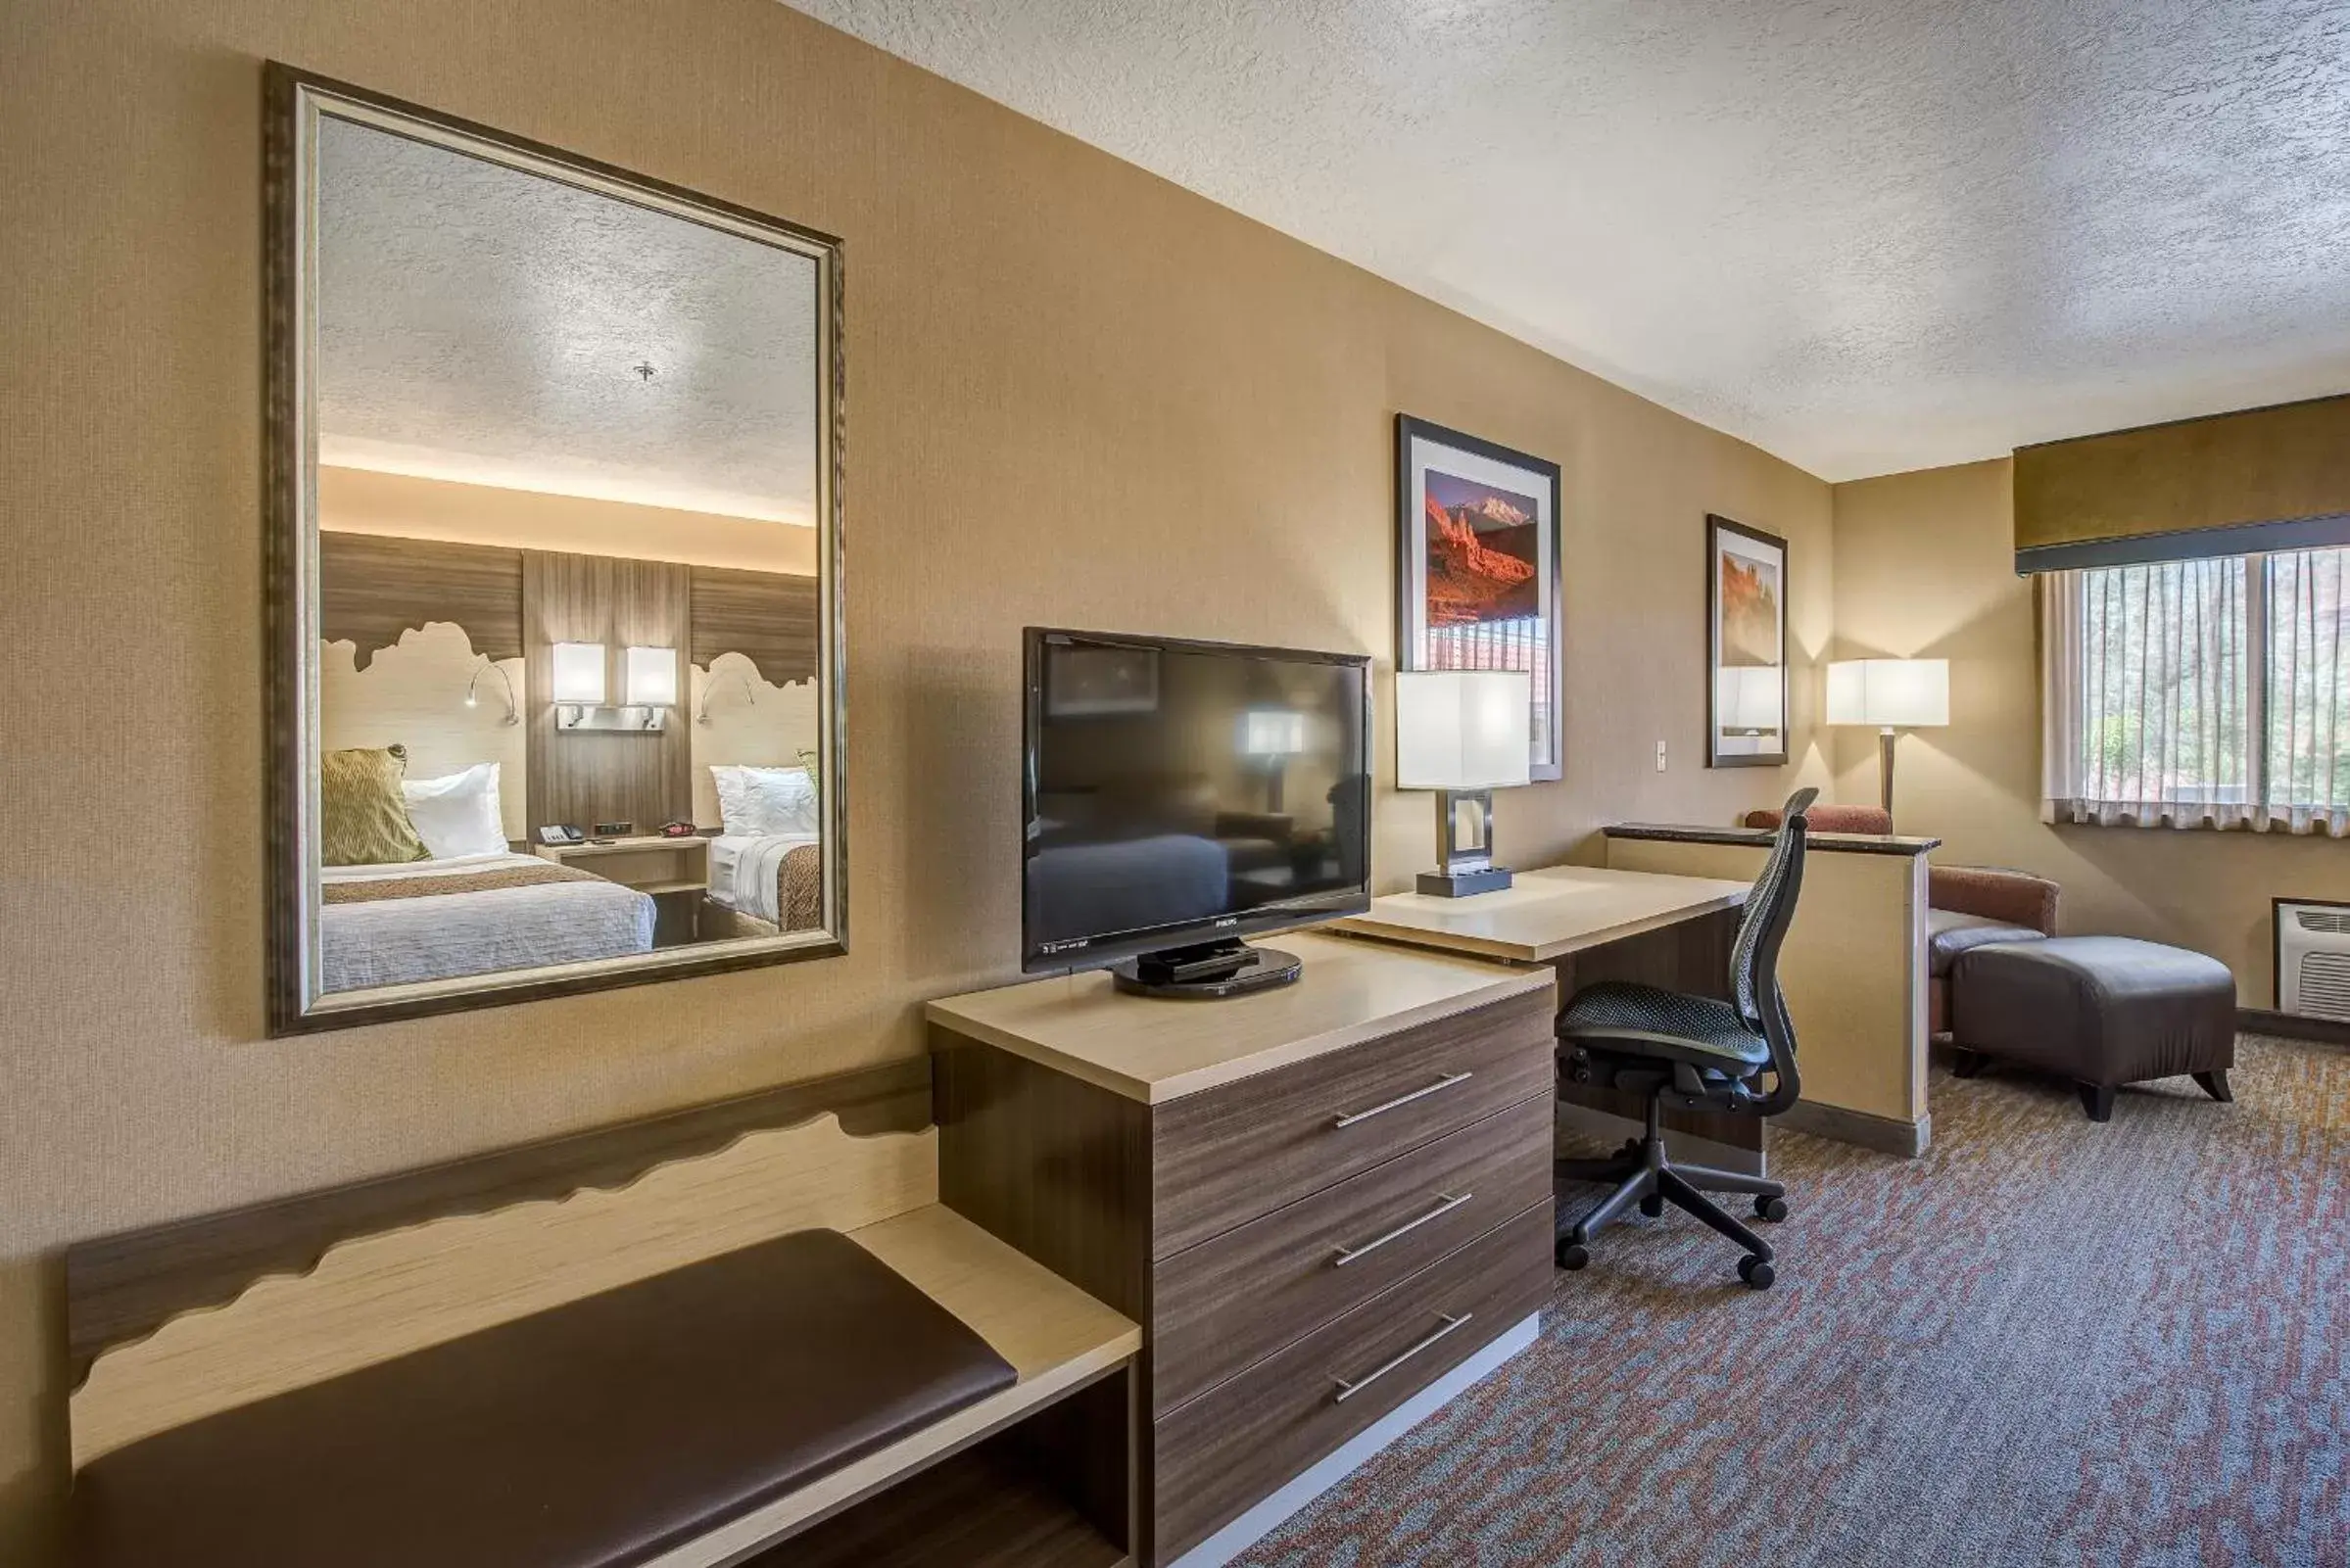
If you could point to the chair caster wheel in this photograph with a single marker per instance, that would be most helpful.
(1757, 1274)
(1773, 1210)
(1572, 1256)
(1653, 1207)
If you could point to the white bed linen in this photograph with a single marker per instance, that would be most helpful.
(745, 871)
(395, 941)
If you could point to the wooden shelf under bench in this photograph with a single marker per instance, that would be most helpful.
(1317, 1201)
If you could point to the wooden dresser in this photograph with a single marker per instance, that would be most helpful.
(1318, 1201)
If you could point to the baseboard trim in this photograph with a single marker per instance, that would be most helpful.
(2291, 1026)
(1258, 1522)
(1885, 1135)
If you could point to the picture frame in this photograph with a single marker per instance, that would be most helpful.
(1745, 645)
(1478, 572)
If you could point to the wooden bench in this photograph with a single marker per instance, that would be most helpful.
(558, 1356)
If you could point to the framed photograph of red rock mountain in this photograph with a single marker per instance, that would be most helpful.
(1477, 565)
(1746, 647)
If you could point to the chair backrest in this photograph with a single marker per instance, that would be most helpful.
(1754, 955)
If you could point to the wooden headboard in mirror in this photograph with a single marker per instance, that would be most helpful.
(555, 650)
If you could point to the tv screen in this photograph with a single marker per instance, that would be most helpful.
(1182, 793)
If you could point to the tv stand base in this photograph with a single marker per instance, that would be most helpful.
(1258, 968)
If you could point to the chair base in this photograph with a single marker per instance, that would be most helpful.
(1640, 1173)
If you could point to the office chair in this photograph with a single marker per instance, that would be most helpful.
(1698, 1054)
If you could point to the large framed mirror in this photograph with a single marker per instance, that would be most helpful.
(555, 648)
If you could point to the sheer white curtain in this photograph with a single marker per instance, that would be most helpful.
(2198, 693)
(2308, 751)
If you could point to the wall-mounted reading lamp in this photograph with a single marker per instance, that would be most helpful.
(489, 666)
(750, 694)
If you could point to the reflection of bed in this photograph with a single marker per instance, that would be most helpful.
(1093, 890)
(770, 882)
(432, 920)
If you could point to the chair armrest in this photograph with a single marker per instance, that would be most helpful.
(2014, 897)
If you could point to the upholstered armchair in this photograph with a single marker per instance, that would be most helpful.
(1973, 906)
(1966, 906)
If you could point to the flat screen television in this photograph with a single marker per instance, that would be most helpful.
(1180, 796)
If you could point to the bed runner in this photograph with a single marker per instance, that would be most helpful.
(469, 881)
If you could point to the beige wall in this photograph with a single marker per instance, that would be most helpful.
(1077, 395)
(1925, 567)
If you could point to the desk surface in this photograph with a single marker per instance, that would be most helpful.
(1155, 1050)
(1547, 914)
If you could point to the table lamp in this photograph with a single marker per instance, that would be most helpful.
(1462, 734)
(1273, 736)
(1893, 694)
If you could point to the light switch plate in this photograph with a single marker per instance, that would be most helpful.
(1659, 757)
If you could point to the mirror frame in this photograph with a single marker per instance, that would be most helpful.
(293, 101)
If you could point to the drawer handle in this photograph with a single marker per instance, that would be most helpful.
(1450, 1323)
(1448, 1202)
(1445, 1083)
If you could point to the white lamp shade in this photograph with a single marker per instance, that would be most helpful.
(579, 672)
(1463, 728)
(1890, 693)
(652, 677)
(1273, 733)
(1748, 696)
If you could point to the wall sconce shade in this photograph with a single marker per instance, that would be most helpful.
(1463, 728)
(652, 677)
(1750, 697)
(1890, 693)
(578, 674)
(1273, 733)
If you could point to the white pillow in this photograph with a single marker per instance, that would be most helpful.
(733, 811)
(457, 814)
(780, 800)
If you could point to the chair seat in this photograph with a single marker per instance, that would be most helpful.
(1648, 1020)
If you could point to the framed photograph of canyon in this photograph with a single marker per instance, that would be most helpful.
(1746, 647)
(1478, 569)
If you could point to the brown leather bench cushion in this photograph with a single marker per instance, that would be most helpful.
(595, 1434)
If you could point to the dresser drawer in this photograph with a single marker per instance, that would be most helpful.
(1234, 1299)
(1241, 1441)
(1223, 1157)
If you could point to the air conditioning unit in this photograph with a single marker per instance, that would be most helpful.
(2313, 958)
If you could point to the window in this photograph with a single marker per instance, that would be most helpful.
(2206, 691)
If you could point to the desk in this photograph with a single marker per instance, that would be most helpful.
(1854, 969)
(1550, 913)
(1593, 924)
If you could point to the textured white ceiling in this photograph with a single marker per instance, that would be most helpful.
(1865, 236)
(484, 324)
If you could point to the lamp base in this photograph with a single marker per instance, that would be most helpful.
(1463, 883)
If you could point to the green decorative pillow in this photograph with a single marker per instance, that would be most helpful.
(363, 819)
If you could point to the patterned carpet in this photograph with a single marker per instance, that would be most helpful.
(2048, 1341)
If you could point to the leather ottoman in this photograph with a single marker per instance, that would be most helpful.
(2102, 1011)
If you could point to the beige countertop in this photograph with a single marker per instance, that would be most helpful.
(1155, 1050)
(1547, 914)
